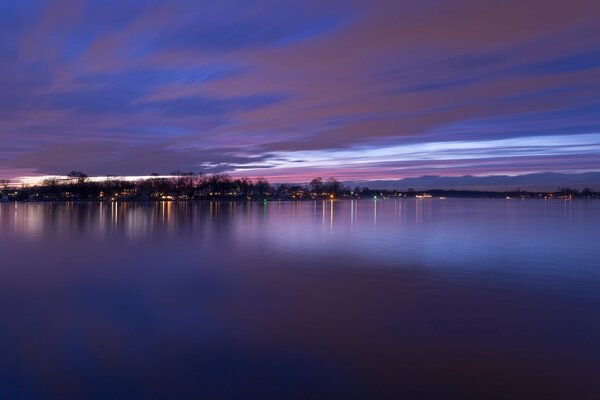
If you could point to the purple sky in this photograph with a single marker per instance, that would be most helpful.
(290, 90)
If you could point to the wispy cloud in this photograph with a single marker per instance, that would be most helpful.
(349, 88)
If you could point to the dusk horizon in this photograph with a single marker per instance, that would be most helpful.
(542, 181)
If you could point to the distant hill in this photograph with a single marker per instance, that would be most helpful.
(547, 181)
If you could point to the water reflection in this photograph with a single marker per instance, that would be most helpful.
(442, 233)
(318, 299)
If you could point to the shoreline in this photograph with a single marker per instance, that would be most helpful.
(289, 200)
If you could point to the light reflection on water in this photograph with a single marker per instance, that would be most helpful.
(465, 234)
(337, 299)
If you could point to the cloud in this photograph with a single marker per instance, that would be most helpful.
(561, 65)
(229, 35)
(112, 158)
(235, 84)
(113, 101)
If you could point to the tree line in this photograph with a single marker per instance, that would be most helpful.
(178, 186)
(193, 186)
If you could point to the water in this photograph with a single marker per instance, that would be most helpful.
(413, 299)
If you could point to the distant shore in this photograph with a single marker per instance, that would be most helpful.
(197, 187)
(428, 195)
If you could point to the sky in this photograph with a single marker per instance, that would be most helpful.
(290, 90)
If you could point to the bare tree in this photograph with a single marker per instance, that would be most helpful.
(243, 185)
(262, 186)
(316, 185)
(333, 186)
(77, 176)
(4, 184)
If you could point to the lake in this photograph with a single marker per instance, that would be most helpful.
(370, 299)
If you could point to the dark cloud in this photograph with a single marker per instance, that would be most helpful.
(111, 158)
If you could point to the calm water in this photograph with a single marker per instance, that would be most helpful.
(409, 299)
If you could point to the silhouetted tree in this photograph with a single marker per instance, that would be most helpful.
(220, 183)
(282, 190)
(333, 186)
(569, 191)
(316, 185)
(190, 185)
(77, 176)
(587, 192)
(262, 186)
(185, 182)
(50, 188)
(4, 184)
(243, 186)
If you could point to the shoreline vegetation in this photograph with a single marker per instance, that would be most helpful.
(184, 186)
